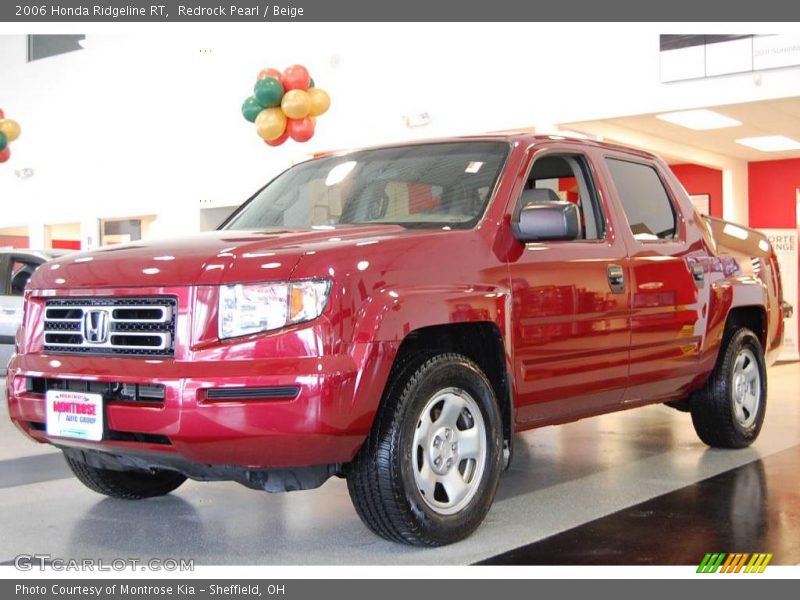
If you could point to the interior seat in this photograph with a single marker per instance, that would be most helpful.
(539, 195)
(19, 281)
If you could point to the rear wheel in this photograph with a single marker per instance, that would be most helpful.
(428, 472)
(729, 411)
(129, 485)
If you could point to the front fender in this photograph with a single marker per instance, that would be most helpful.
(389, 316)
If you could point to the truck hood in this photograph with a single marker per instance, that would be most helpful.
(207, 259)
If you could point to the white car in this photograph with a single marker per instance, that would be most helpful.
(16, 268)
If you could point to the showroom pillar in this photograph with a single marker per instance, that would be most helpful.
(735, 192)
(90, 233)
(37, 236)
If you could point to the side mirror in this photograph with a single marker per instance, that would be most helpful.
(548, 220)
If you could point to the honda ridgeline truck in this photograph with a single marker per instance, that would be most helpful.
(393, 316)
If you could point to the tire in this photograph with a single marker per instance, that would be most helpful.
(128, 485)
(428, 472)
(729, 411)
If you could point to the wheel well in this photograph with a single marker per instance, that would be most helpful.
(751, 317)
(480, 342)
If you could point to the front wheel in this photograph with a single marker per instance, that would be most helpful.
(729, 411)
(429, 470)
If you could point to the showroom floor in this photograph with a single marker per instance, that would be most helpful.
(636, 487)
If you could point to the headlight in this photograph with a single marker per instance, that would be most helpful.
(253, 308)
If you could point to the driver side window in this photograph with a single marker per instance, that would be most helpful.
(21, 272)
(566, 177)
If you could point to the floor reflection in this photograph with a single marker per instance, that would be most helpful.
(753, 508)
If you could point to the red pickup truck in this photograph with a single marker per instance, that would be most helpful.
(393, 316)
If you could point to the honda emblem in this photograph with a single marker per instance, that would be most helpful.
(95, 326)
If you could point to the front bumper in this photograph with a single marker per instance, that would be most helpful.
(321, 425)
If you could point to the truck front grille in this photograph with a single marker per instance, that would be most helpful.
(119, 326)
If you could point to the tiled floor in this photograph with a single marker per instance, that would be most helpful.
(582, 474)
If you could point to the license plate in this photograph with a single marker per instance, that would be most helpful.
(74, 415)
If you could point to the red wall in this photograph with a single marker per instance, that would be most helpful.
(65, 244)
(13, 241)
(702, 180)
(772, 191)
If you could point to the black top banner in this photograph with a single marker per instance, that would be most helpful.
(64, 11)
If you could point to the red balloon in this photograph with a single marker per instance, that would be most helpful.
(2, 114)
(279, 141)
(264, 73)
(5, 155)
(300, 130)
(295, 77)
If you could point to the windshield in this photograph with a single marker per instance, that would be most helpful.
(427, 185)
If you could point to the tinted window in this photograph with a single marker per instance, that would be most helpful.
(566, 178)
(21, 271)
(644, 199)
(426, 185)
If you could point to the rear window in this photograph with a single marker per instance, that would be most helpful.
(644, 199)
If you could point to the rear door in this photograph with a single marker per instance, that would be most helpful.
(666, 280)
(571, 331)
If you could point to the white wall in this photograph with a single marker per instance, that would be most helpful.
(146, 123)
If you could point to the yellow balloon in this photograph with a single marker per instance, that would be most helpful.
(320, 101)
(10, 128)
(270, 123)
(296, 104)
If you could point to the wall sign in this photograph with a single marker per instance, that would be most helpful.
(784, 241)
(698, 56)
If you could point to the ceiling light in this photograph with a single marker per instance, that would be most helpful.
(699, 119)
(420, 119)
(770, 143)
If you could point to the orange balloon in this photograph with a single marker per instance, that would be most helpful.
(278, 141)
(320, 101)
(10, 128)
(270, 124)
(296, 104)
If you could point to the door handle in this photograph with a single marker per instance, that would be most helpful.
(616, 279)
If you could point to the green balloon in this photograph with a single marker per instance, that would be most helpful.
(251, 108)
(3, 141)
(268, 92)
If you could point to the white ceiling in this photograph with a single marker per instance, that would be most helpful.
(767, 117)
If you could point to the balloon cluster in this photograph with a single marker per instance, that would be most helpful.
(285, 105)
(9, 131)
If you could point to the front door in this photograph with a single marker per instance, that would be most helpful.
(571, 331)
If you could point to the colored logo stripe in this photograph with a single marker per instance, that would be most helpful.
(758, 563)
(711, 562)
(734, 563)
